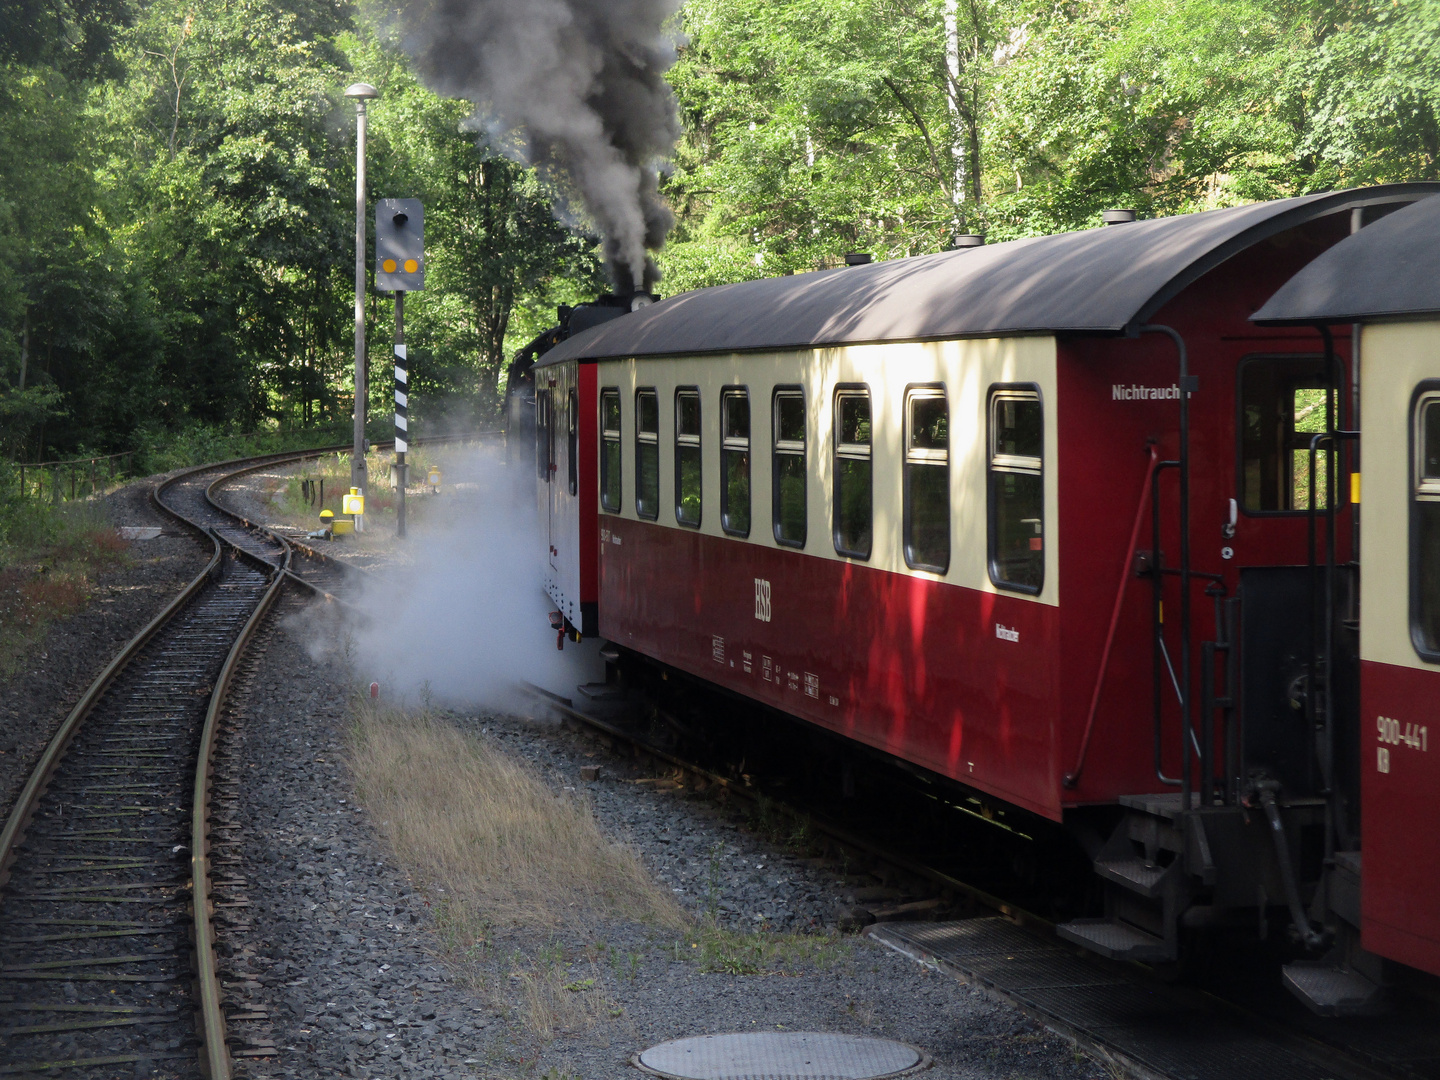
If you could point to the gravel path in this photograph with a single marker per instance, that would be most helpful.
(350, 966)
(35, 700)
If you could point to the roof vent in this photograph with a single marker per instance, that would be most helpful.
(969, 240)
(1117, 217)
(858, 258)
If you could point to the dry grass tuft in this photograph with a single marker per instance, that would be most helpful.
(551, 997)
(48, 573)
(468, 819)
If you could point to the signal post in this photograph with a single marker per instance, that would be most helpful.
(400, 268)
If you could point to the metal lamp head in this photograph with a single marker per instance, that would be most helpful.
(361, 91)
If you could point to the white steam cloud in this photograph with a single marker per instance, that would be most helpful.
(465, 623)
(580, 84)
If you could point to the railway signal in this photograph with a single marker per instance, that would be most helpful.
(400, 267)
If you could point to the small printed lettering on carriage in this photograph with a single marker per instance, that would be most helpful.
(717, 649)
(1136, 392)
(762, 599)
(1006, 633)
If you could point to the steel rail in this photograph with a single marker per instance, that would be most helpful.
(841, 835)
(217, 1058)
(211, 1030)
(24, 808)
(14, 832)
(1356, 1064)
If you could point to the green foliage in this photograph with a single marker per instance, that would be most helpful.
(176, 224)
(814, 127)
(176, 178)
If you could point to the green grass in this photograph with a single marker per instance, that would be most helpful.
(759, 952)
(49, 557)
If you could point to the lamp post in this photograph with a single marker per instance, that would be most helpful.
(360, 93)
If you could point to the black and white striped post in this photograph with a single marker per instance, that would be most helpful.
(402, 420)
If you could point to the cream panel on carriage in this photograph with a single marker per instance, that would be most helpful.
(967, 369)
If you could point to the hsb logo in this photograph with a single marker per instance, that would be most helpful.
(762, 599)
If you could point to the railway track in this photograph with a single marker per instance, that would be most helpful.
(107, 873)
(1146, 1026)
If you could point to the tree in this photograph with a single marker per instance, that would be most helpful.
(819, 126)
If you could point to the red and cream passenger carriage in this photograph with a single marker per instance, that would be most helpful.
(1049, 519)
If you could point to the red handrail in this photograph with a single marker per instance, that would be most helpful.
(1073, 777)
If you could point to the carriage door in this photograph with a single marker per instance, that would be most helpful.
(545, 464)
(555, 433)
(1291, 618)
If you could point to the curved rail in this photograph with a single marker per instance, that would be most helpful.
(216, 1057)
(24, 807)
(134, 672)
(142, 683)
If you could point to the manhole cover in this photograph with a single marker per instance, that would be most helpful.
(797, 1055)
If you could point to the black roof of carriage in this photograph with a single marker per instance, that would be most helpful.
(1108, 280)
(1388, 270)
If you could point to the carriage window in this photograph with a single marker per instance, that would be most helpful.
(735, 462)
(1425, 529)
(610, 450)
(927, 479)
(853, 509)
(788, 462)
(543, 454)
(1283, 406)
(573, 449)
(687, 457)
(1016, 490)
(647, 454)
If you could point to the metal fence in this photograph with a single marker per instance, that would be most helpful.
(80, 478)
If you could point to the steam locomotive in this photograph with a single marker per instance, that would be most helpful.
(1086, 542)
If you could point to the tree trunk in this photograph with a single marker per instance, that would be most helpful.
(952, 101)
(24, 349)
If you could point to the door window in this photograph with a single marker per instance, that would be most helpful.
(687, 457)
(1425, 527)
(1016, 489)
(1283, 405)
(610, 452)
(853, 505)
(647, 454)
(735, 462)
(927, 479)
(572, 448)
(542, 434)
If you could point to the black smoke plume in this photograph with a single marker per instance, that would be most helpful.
(580, 83)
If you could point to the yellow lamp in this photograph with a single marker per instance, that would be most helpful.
(353, 503)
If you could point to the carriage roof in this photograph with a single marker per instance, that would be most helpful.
(1387, 270)
(1106, 281)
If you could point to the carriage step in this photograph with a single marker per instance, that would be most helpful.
(1333, 989)
(1134, 873)
(1117, 940)
(599, 691)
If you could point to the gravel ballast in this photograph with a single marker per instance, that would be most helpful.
(337, 963)
(123, 598)
(358, 974)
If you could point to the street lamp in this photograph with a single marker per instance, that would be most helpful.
(361, 93)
